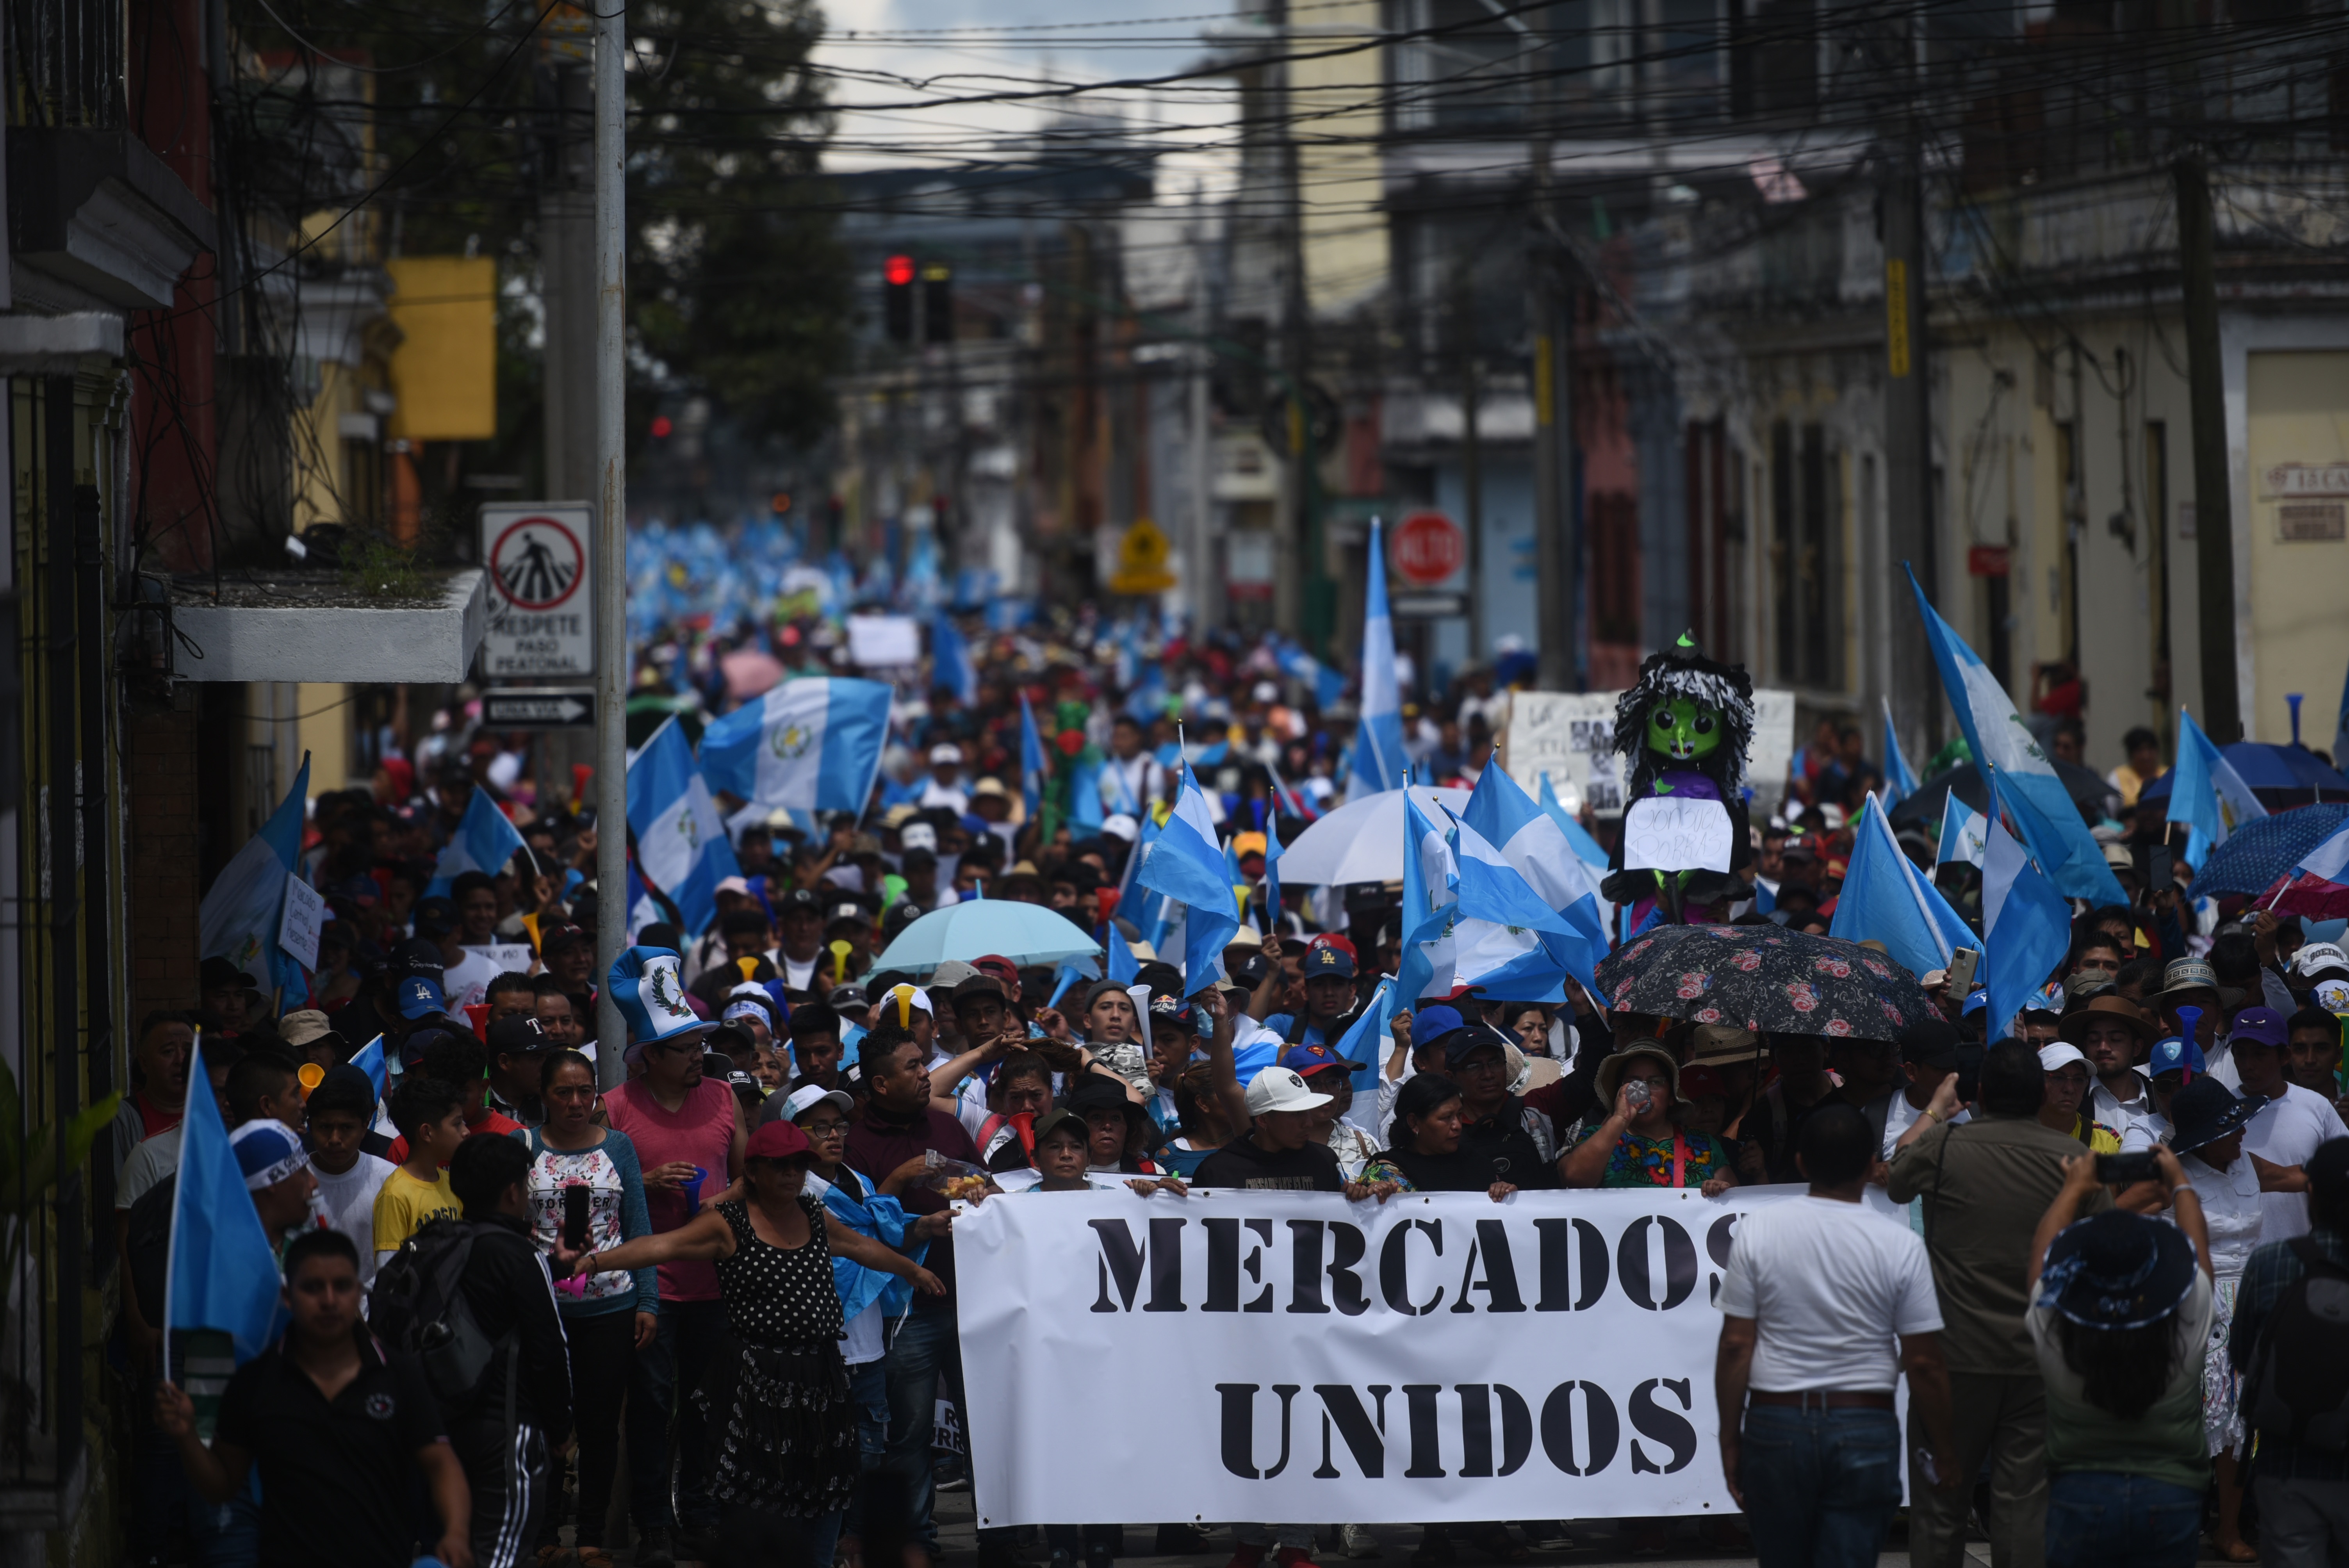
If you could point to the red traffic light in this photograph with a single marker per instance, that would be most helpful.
(898, 271)
(661, 426)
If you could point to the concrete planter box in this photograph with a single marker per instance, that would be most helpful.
(305, 627)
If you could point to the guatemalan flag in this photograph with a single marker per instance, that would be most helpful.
(1502, 936)
(1964, 834)
(2205, 793)
(1032, 770)
(1430, 902)
(484, 842)
(1184, 864)
(1885, 896)
(2027, 781)
(243, 913)
(951, 665)
(681, 844)
(2026, 924)
(1378, 761)
(1899, 778)
(810, 744)
(220, 1272)
(1538, 846)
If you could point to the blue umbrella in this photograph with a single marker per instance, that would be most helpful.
(2278, 775)
(1026, 933)
(2258, 852)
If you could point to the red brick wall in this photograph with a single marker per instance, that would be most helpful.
(162, 889)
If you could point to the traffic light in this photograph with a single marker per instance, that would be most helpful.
(938, 303)
(897, 297)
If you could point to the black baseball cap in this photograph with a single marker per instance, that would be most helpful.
(799, 900)
(518, 1035)
(416, 958)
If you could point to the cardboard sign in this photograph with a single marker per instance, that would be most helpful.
(304, 916)
(1666, 834)
(1570, 736)
(881, 641)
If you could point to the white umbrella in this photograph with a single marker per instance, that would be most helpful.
(1362, 840)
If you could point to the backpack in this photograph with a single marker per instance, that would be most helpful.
(2297, 1389)
(417, 1305)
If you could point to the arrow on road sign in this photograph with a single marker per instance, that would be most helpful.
(538, 710)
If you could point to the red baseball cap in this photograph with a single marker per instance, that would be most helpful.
(779, 1139)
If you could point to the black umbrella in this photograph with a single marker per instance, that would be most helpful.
(1765, 979)
(1925, 807)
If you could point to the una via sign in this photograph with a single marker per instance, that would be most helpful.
(537, 555)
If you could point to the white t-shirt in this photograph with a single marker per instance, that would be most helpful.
(2230, 1211)
(154, 1159)
(349, 1201)
(2108, 1108)
(1828, 1285)
(1899, 1116)
(2286, 1132)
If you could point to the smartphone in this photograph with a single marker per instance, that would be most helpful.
(2123, 1170)
(1961, 971)
(576, 1201)
(2161, 870)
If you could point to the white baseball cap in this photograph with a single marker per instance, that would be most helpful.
(802, 1100)
(947, 752)
(2058, 1056)
(917, 836)
(2316, 958)
(1118, 825)
(1281, 1089)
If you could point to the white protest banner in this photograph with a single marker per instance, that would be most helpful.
(881, 641)
(1773, 751)
(1569, 735)
(298, 927)
(1676, 833)
(467, 981)
(1436, 1358)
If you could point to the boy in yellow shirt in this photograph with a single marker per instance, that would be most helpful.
(430, 1115)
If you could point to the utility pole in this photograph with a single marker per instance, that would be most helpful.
(566, 249)
(1204, 594)
(1472, 454)
(2205, 385)
(1556, 550)
(1908, 435)
(1299, 575)
(611, 532)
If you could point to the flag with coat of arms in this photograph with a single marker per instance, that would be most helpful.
(810, 744)
(681, 844)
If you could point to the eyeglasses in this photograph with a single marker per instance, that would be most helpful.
(823, 1128)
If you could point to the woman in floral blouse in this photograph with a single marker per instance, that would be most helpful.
(1643, 1144)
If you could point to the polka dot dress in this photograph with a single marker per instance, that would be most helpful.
(778, 1393)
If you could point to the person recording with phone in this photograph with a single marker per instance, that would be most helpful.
(587, 1192)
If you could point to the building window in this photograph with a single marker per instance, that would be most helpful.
(1806, 533)
(1614, 567)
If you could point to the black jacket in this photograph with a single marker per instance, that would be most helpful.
(509, 1291)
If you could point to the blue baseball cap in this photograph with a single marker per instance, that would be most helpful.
(1306, 1060)
(1431, 1024)
(2173, 1053)
(421, 997)
(267, 1151)
(1322, 963)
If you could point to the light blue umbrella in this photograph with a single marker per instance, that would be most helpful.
(1026, 933)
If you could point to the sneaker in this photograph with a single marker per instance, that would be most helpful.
(653, 1550)
(957, 1483)
(1357, 1542)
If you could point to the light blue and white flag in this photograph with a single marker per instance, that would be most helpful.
(1032, 770)
(1121, 965)
(1899, 778)
(2027, 781)
(1186, 865)
(1430, 899)
(220, 1272)
(1538, 847)
(2205, 793)
(1273, 850)
(1368, 1038)
(951, 665)
(2026, 924)
(681, 844)
(1378, 762)
(1964, 834)
(810, 744)
(484, 842)
(243, 910)
(1505, 940)
(1885, 897)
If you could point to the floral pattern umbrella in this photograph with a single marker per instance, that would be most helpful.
(1765, 979)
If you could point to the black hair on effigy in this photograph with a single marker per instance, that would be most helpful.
(1682, 670)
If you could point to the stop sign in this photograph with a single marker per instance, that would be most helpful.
(1428, 548)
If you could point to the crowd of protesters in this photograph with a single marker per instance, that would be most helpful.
(730, 1278)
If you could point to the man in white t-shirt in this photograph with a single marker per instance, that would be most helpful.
(341, 1110)
(1817, 1291)
(1929, 1055)
(2288, 1131)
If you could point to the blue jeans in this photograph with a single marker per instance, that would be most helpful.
(926, 1352)
(868, 1391)
(671, 1365)
(1820, 1485)
(227, 1534)
(2097, 1517)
